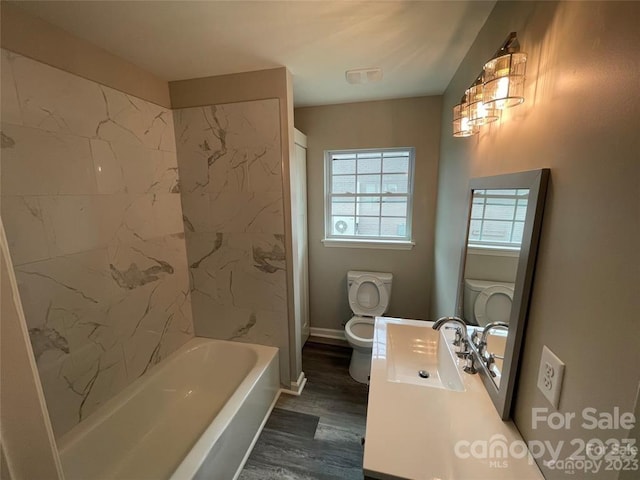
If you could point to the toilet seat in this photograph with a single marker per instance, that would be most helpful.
(361, 303)
(359, 331)
(493, 294)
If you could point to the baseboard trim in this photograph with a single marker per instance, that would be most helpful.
(328, 336)
(297, 386)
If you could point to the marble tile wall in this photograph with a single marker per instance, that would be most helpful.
(230, 164)
(91, 206)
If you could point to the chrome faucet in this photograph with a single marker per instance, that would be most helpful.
(482, 344)
(462, 340)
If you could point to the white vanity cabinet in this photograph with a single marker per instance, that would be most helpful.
(434, 430)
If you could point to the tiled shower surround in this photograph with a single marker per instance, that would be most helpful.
(231, 185)
(91, 207)
(96, 218)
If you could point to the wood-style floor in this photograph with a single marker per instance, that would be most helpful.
(317, 435)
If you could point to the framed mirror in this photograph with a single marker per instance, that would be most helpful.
(496, 273)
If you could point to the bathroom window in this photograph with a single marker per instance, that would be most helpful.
(369, 197)
(497, 218)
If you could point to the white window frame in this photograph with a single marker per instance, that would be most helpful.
(361, 241)
(496, 248)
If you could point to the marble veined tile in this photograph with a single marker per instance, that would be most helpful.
(148, 216)
(155, 317)
(37, 162)
(108, 169)
(155, 332)
(135, 121)
(76, 385)
(196, 213)
(10, 105)
(223, 317)
(63, 403)
(255, 133)
(101, 318)
(215, 261)
(126, 168)
(242, 270)
(96, 376)
(145, 170)
(65, 289)
(76, 223)
(247, 212)
(106, 294)
(180, 329)
(208, 162)
(232, 147)
(24, 223)
(134, 265)
(93, 214)
(229, 322)
(57, 101)
(255, 123)
(262, 284)
(66, 301)
(151, 344)
(264, 165)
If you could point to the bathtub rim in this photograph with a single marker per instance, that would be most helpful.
(106, 410)
(191, 463)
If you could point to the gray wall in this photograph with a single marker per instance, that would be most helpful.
(580, 119)
(409, 122)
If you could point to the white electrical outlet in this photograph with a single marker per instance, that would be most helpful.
(550, 376)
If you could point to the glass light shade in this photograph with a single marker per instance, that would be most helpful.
(479, 112)
(461, 125)
(504, 80)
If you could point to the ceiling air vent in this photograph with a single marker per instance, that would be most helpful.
(363, 75)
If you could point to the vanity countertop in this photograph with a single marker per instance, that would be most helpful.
(413, 430)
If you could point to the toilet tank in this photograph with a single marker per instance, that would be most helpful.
(385, 278)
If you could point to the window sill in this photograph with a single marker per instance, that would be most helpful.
(493, 251)
(378, 244)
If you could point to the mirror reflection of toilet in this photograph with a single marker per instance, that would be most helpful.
(487, 301)
(369, 294)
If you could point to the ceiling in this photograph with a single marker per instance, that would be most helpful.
(418, 44)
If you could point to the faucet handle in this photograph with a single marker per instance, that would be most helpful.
(490, 360)
(482, 348)
(458, 335)
(458, 338)
(463, 348)
(469, 366)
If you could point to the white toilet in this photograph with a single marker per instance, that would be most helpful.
(487, 301)
(369, 294)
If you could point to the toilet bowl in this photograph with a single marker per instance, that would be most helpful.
(487, 301)
(493, 304)
(359, 333)
(368, 297)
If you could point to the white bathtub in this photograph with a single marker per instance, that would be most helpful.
(194, 415)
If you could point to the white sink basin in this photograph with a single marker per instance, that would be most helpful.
(415, 352)
(415, 424)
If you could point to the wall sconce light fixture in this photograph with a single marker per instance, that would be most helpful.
(480, 113)
(500, 85)
(461, 125)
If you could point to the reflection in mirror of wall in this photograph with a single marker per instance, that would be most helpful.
(496, 226)
(503, 227)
